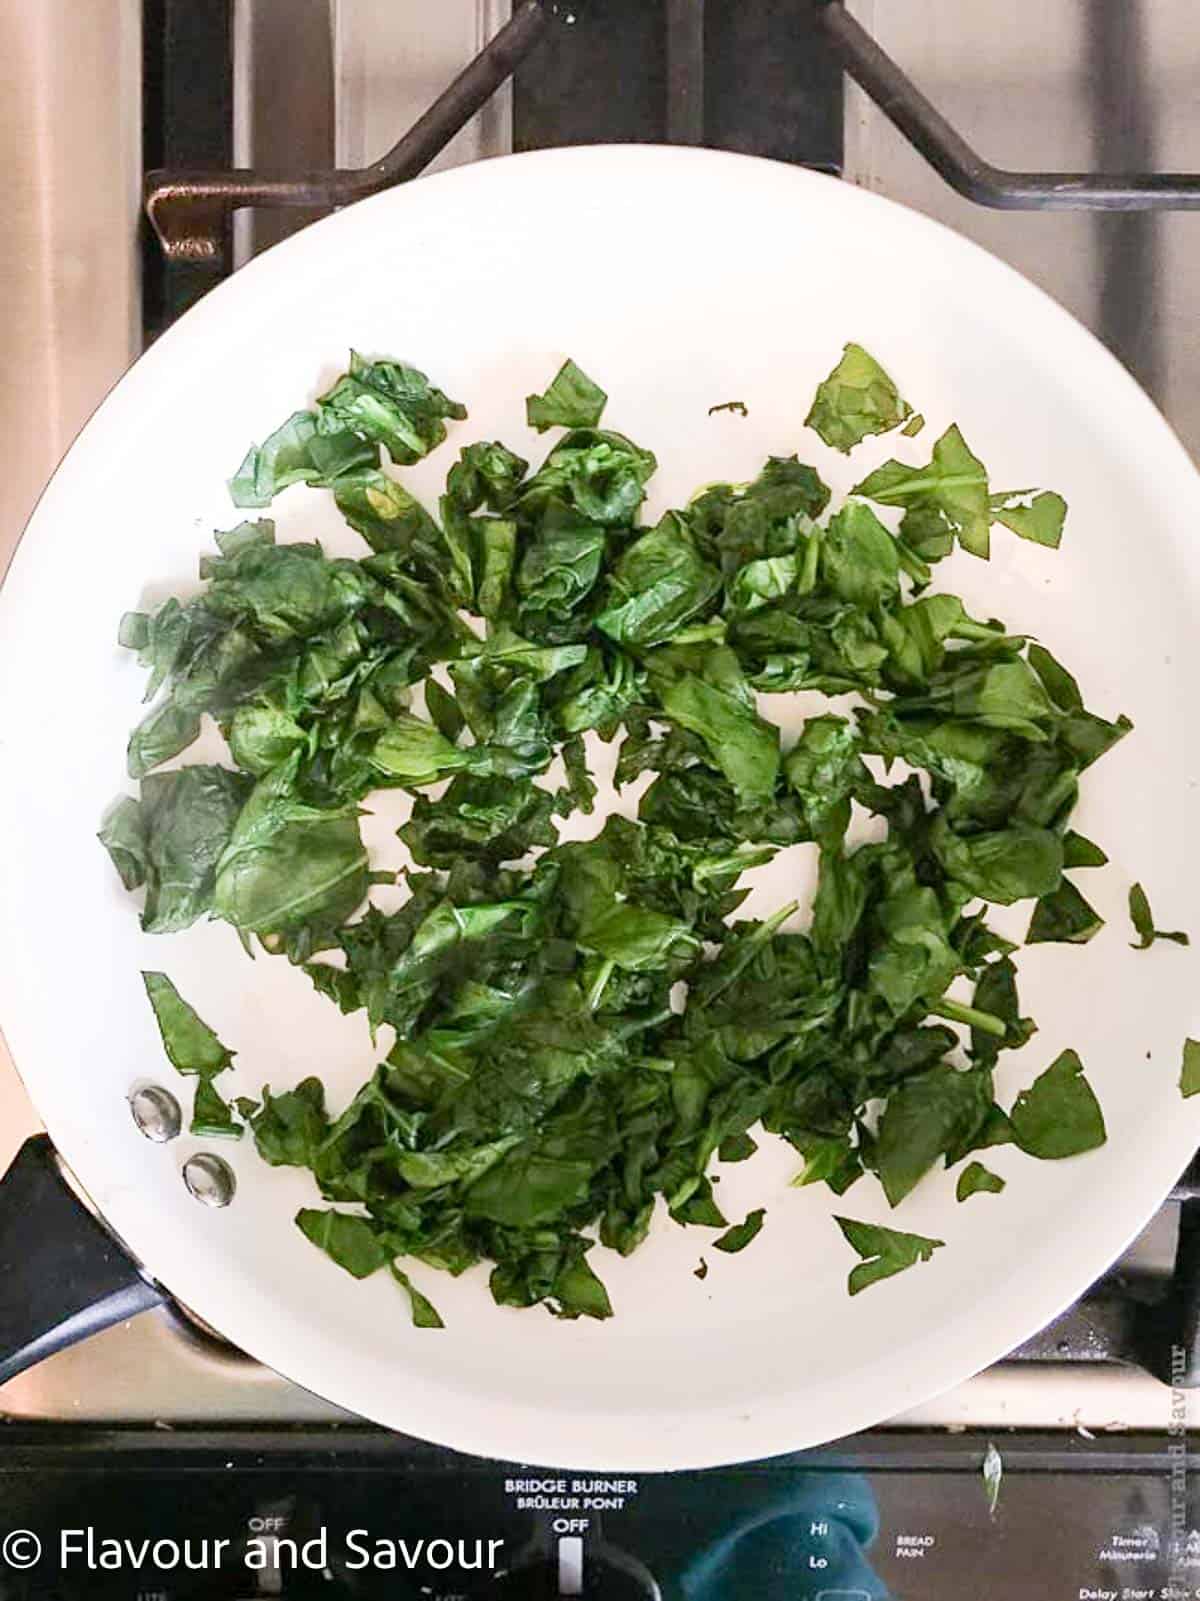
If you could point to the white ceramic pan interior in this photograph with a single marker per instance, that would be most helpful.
(679, 279)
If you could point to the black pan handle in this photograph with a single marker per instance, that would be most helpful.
(63, 1276)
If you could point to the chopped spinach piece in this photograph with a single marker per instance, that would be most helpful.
(1142, 919)
(738, 740)
(297, 453)
(996, 997)
(951, 493)
(581, 1028)
(572, 401)
(486, 474)
(352, 1242)
(1035, 517)
(658, 584)
(489, 819)
(884, 1251)
(424, 1314)
(1017, 863)
(1063, 916)
(1189, 1074)
(975, 1179)
(1058, 1115)
(739, 1236)
(289, 1129)
(1059, 683)
(388, 403)
(193, 1049)
(926, 1116)
(289, 865)
(188, 1041)
(858, 398)
(211, 1114)
(172, 839)
(1081, 852)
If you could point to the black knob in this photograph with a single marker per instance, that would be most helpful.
(575, 1568)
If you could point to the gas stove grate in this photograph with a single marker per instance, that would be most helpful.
(572, 88)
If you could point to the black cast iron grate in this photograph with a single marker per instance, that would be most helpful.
(572, 60)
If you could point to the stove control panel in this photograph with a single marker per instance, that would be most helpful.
(364, 1515)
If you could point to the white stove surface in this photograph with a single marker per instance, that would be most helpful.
(1024, 109)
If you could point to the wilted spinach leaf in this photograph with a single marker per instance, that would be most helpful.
(1063, 916)
(572, 401)
(996, 996)
(715, 705)
(172, 839)
(212, 1116)
(951, 493)
(659, 583)
(582, 1028)
(1037, 517)
(289, 1129)
(193, 1049)
(1189, 1075)
(351, 1241)
(289, 865)
(1142, 919)
(424, 1314)
(188, 1041)
(486, 474)
(1081, 852)
(1060, 685)
(389, 404)
(858, 398)
(884, 1251)
(928, 1115)
(975, 1179)
(298, 452)
(491, 819)
(1003, 865)
(739, 1236)
(1058, 1115)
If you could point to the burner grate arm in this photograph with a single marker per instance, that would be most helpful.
(191, 211)
(929, 132)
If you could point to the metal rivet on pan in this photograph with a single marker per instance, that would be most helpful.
(156, 1113)
(209, 1178)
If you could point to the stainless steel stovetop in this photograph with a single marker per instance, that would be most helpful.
(1102, 83)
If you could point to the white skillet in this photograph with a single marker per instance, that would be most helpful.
(679, 279)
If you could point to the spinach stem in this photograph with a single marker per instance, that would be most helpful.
(956, 1012)
(916, 568)
(750, 949)
(600, 983)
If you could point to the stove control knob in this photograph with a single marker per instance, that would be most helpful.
(296, 1557)
(592, 1570)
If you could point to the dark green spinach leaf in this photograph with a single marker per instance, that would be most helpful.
(975, 1179)
(572, 401)
(739, 1236)
(858, 398)
(1058, 1115)
(884, 1251)
(1142, 919)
